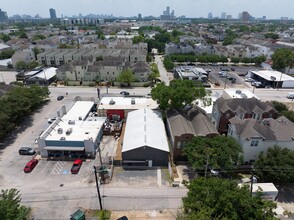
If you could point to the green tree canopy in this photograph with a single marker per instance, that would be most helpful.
(178, 94)
(20, 65)
(10, 208)
(5, 37)
(221, 151)
(6, 54)
(271, 35)
(283, 58)
(126, 76)
(215, 198)
(276, 165)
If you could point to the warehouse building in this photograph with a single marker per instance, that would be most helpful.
(145, 142)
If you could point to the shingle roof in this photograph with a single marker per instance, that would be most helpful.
(280, 129)
(190, 120)
(249, 105)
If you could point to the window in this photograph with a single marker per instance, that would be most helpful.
(180, 144)
(254, 143)
(227, 115)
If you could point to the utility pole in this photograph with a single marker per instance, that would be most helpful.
(206, 166)
(98, 191)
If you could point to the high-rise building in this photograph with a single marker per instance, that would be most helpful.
(223, 15)
(245, 16)
(209, 16)
(139, 16)
(52, 13)
(166, 15)
(3, 16)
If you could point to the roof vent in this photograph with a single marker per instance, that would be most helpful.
(62, 138)
(238, 91)
(71, 122)
(111, 102)
(68, 131)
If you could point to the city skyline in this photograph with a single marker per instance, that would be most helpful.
(188, 8)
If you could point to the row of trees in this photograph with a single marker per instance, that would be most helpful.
(17, 104)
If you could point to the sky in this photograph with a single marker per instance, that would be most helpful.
(272, 9)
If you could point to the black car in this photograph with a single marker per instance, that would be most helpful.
(60, 97)
(26, 151)
(124, 93)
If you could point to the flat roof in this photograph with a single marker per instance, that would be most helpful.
(125, 103)
(144, 127)
(239, 94)
(266, 187)
(80, 130)
(272, 75)
(79, 109)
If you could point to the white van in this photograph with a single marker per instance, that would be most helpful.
(290, 96)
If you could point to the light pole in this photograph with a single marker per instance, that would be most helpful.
(98, 190)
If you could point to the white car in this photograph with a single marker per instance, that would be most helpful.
(249, 80)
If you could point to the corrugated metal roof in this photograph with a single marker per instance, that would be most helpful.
(145, 127)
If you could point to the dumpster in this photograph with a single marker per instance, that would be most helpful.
(78, 215)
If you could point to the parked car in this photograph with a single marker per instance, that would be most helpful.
(30, 165)
(51, 120)
(233, 69)
(26, 151)
(60, 97)
(124, 93)
(223, 74)
(242, 74)
(249, 80)
(290, 96)
(232, 79)
(76, 166)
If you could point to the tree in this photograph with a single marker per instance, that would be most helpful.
(215, 198)
(20, 65)
(276, 165)
(271, 35)
(220, 151)
(5, 37)
(283, 110)
(10, 207)
(6, 54)
(178, 94)
(283, 58)
(126, 76)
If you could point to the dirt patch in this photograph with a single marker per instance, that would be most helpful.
(167, 214)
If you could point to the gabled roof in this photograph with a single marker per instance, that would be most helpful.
(280, 129)
(190, 120)
(249, 105)
(144, 127)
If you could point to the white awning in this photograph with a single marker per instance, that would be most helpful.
(64, 148)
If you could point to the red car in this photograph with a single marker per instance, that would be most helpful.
(76, 166)
(30, 165)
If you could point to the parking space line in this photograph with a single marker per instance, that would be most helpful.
(45, 167)
(58, 167)
(159, 176)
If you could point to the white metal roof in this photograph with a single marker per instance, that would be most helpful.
(3, 46)
(125, 103)
(46, 73)
(271, 75)
(79, 110)
(145, 128)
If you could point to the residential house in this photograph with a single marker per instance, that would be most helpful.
(258, 136)
(183, 125)
(26, 56)
(237, 51)
(243, 108)
(141, 71)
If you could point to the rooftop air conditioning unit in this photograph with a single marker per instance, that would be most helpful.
(111, 102)
(71, 122)
(133, 102)
(68, 131)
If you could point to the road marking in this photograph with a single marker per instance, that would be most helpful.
(58, 167)
(45, 167)
(159, 177)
